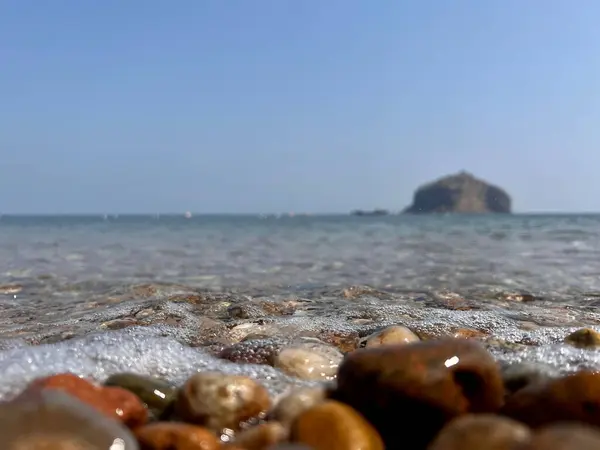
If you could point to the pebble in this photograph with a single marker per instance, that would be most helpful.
(566, 436)
(157, 394)
(296, 402)
(176, 436)
(54, 420)
(114, 402)
(429, 383)
(332, 425)
(584, 338)
(574, 397)
(309, 359)
(219, 401)
(261, 436)
(469, 431)
(391, 335)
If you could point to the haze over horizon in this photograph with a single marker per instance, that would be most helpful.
(273, 106)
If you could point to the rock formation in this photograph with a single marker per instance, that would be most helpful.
(459, 193)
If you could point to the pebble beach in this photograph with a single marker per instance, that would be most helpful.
(324, 332)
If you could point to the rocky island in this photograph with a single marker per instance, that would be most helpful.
(460, 193)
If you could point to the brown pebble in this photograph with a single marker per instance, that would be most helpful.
(332, 425)
(51, 419)
(432, 382)
(469, 431)
(175, 436)
(564, 436)
(115, 402)
(220, 401)
(584, 338)
(468, 333)
(296, 402)
(396, 334)
(261, 436)
(574, 397)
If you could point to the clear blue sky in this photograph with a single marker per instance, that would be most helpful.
(305, 105)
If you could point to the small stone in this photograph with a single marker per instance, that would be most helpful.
(468, 333)
(584, 338)
(118, 324)
(333, 425)
(565, 436)
(396, 334)
(573, 398)
(176, 436)
(296, 402)
(261, 436)
(156, 394)
(309, 359)
(343, 341)
(114, 402)
(435, 381)
(219, 401)
(468, 432)
(10, 289)
(54, 420)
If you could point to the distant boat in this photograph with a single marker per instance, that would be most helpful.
(375, 212)
(188, 215)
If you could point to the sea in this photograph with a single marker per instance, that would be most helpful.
(100, 294)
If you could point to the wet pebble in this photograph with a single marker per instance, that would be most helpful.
(114, 402)
(584, 338)
(435, 380)
(565, 436)
(573, 397)
(261, 436)
(296, 402)
(309, 359)
(468, 432)
(396, 334)
(176, 436)
(335, 426)
(219, 401)
(156, 394)
(52, 420)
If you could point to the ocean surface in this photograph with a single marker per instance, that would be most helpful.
(99, 294)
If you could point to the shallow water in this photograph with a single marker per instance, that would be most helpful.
(161, 295)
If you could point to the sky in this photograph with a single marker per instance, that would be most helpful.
(244, 106)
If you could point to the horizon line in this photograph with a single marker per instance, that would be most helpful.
(288, 214)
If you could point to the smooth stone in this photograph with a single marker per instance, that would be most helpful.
(396, 334)
(296, 402)
(176, 436)
(51, 419)
(261, 436)
(468, 432)
(219, 401)
(114, 402)
(332, 425)
(573, 398)
(156, 394)
(309, 359)
(430, 382)
(584, 338)
(564, 436)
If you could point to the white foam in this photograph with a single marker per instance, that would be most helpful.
(131, 350)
